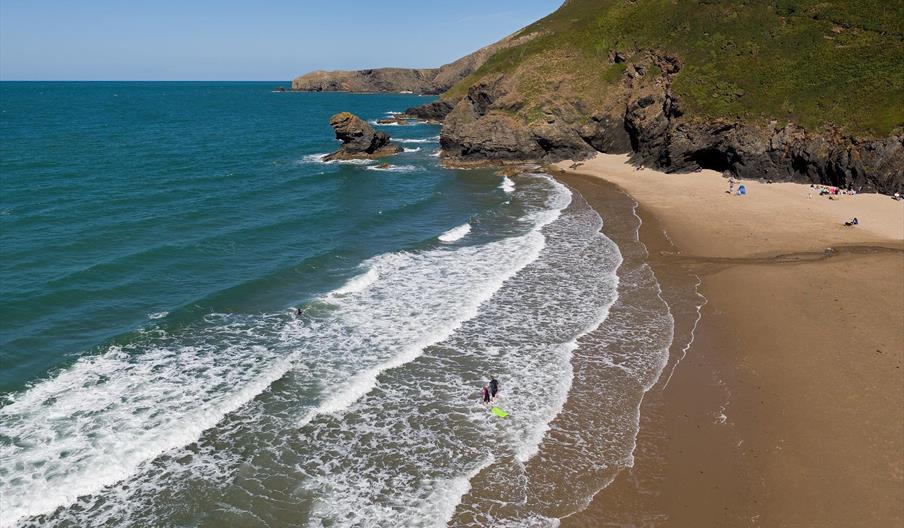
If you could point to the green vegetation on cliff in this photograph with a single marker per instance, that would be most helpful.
(818, 64)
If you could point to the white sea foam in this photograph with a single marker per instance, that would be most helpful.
(507, 185)
(358, 283)
(353, 162)
(456, 233)
(417, 149)
(157, 315)
(395, 123)
(441, 503)
(433, 139)
(393, 168)
(318, 158)
(437, 153)
(313, 158)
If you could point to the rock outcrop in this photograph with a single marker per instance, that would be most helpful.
(482, 127)
(435, 112)
(359, 139)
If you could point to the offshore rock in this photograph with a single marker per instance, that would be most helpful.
(359, 139)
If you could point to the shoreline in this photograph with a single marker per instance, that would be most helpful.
(781, 411)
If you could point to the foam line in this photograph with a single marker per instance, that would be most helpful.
(433, 139)
(690, 342)
(358, 283)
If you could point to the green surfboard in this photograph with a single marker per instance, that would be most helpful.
(499, 412)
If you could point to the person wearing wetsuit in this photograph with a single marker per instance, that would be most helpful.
(494, 388)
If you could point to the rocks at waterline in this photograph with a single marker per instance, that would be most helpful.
(433, 112)
(359, 139)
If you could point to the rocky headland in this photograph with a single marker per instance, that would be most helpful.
(359, 139)
(641, 115)
(809, 92)
(428, 81)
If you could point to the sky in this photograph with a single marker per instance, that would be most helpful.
(244, 40)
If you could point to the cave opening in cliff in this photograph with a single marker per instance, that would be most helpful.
(713, 159)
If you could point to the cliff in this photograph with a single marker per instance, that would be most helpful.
(784, 90)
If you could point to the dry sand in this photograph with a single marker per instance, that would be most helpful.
(703, 219)
(788, 409)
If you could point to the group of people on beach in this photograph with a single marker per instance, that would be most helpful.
(831, 191)
(490, 391)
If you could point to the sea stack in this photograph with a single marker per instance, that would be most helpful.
(359, 139)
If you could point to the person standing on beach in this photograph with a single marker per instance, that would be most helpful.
(494, 388)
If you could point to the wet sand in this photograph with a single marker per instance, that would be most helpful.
(787, 409)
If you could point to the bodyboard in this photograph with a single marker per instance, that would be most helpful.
(499, 412)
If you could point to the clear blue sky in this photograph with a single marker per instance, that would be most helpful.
(232, 40)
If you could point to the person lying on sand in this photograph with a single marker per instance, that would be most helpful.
(852, 222)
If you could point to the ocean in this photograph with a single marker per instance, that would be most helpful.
(156, 239)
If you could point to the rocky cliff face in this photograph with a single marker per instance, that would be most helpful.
(484, 126)
(639, 114)
(359, 139)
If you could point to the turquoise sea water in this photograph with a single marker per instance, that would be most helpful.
(125, 201)
(155, 238)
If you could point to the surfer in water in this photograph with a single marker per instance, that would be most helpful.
(486, 395)
(494, 388)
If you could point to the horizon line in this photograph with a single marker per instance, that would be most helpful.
(145, 80)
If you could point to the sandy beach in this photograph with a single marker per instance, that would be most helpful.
(785, 410)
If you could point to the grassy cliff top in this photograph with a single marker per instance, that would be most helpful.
(829, 63)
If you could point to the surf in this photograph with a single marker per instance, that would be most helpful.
(456, 233)
(355, 335)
